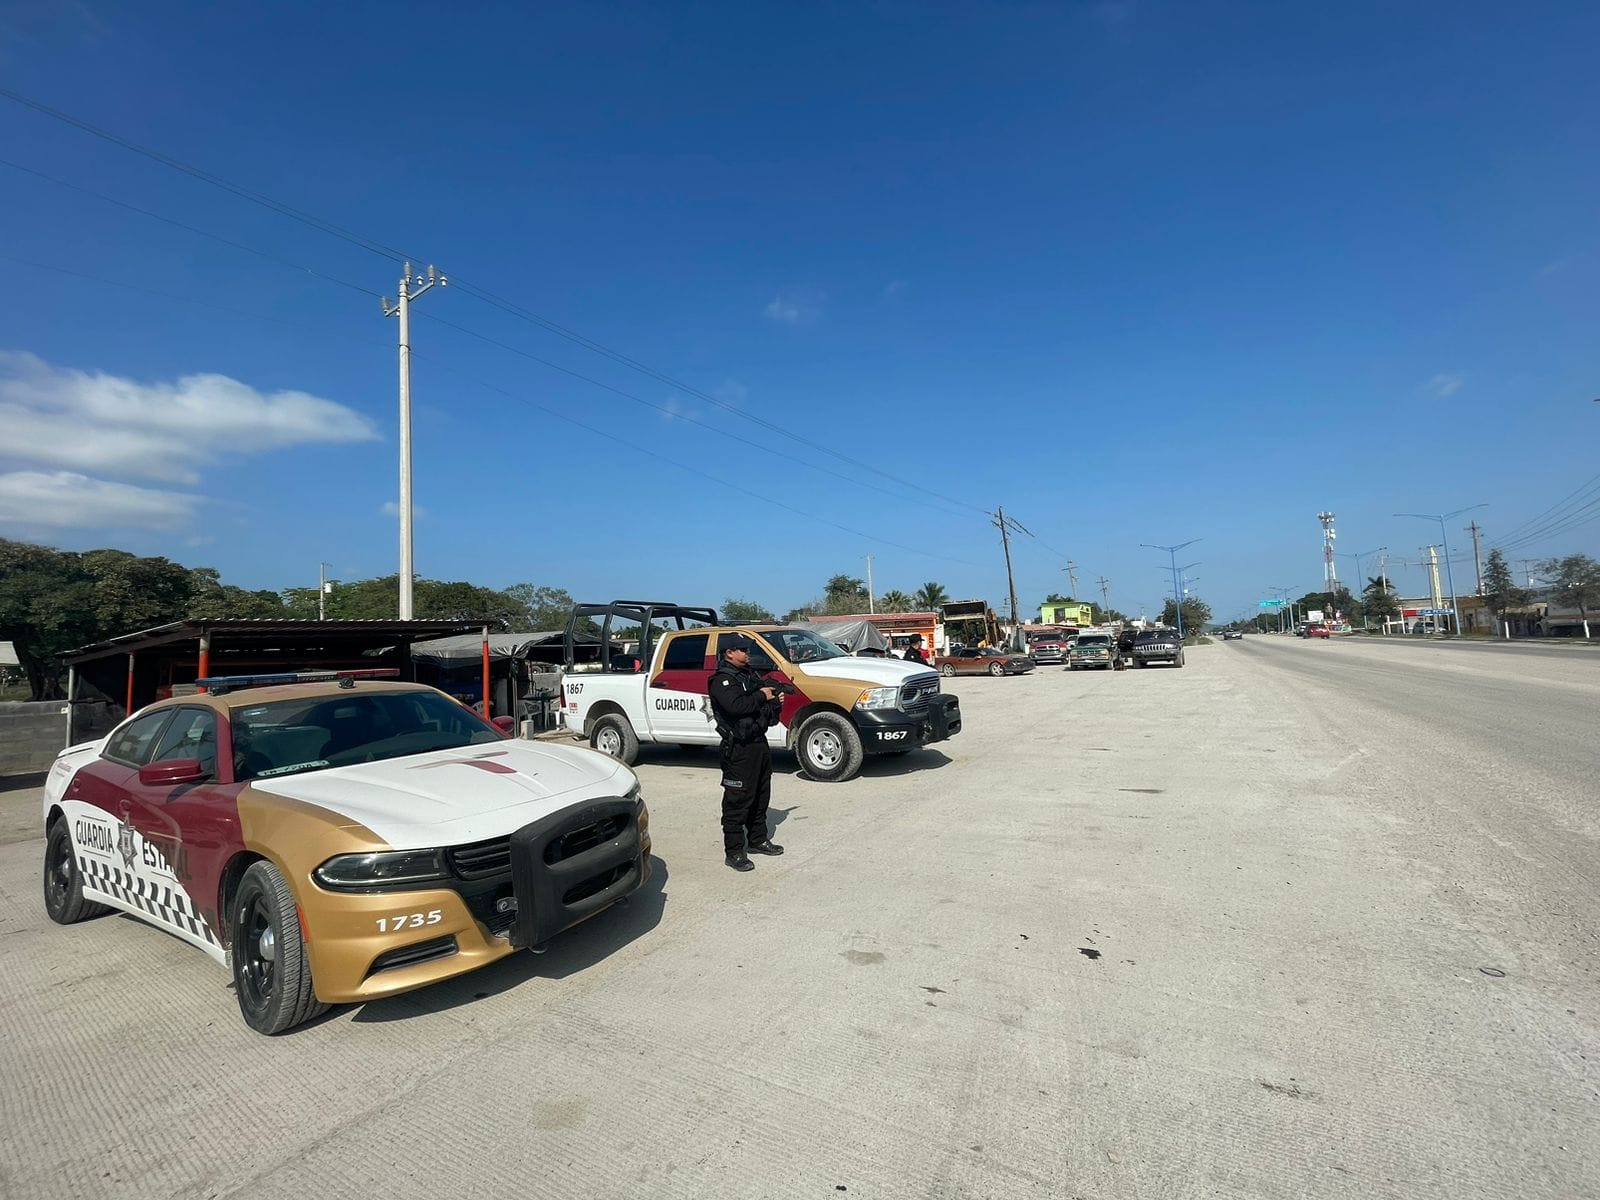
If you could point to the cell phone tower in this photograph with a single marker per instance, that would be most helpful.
(1330, 573)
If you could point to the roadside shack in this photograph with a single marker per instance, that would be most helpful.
(110, 679)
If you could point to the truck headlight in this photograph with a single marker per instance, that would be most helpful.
(389, 869)
(884, 697)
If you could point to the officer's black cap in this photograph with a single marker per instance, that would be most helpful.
(735, 641)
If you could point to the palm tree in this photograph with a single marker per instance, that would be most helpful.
(930, 597)
(894, 602)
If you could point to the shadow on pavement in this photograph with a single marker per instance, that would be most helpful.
(569, 953)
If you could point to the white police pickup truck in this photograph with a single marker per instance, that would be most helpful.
(647, 675)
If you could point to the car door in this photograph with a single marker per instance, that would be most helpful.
(181, 830)
(675, 700)
(101, 808)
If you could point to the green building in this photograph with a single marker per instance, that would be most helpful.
(1066, 614)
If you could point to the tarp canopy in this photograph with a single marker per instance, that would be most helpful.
(468, 647)
(852, 635)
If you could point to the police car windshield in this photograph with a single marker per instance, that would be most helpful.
(314, 733)
(802, 646)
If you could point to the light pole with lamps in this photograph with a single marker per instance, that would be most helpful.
(1361, 580)
(1444, 534)
(1177, 596)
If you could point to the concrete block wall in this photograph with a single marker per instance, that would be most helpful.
(32, 732)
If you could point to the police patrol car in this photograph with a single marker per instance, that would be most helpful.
(334, 838)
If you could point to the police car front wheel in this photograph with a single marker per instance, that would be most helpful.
(271, 970)
(63, 885)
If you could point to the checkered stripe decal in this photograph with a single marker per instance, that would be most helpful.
(159, 901)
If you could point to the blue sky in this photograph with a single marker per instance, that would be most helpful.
(1138, 272)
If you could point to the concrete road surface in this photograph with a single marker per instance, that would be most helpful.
(1298, 920)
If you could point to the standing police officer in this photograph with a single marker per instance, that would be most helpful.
(744, 709)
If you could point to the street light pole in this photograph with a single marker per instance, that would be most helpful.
(1444, 534)
(1177, 595)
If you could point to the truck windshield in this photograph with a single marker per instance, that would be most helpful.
(801, 645)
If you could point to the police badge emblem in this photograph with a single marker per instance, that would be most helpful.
(125, 845)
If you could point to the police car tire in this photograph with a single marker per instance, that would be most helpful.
(628, 743)
(70, 907)
(849, 764)
(291, 1000)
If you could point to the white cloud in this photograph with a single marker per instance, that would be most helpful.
(783, 310)
(111, 425)
(1443, 386)
(795, 306)
(67, 500)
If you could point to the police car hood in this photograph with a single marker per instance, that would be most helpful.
(872, 672)
(447, 797)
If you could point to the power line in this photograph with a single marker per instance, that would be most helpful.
(302, 268)
(608, 435)
(356, 239)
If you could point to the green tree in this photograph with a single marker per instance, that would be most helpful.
(46, 609)
(1196, 613)
(930, 597)
(1379, 602)
(894, 602)
(211, 599)
(844, 594)
(744, 612)
(1500, 590)
(1575, 581)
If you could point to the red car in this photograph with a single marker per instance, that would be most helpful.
(1320, 631)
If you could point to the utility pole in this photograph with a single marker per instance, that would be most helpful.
(323, 589)
(1105, 599)
(1005, 524)
(410, 289)
(1477, 557)
(870, 609)
(1072, 576)
(1527, 569)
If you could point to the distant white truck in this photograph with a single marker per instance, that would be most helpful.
(648, 682)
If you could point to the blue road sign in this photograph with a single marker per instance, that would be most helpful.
(1272, 603)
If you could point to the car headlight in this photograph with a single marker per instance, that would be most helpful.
(884, 697)
(384, 871)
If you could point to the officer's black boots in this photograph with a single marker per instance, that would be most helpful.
(768, 846)
(740, 861)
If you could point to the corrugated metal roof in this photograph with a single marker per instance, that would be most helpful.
(267, 632)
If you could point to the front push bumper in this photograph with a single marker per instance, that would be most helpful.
(885, 730)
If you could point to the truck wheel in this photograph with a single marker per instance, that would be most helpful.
(614, 736)
(948, 670)
(271, 974)
(1178, 662)
(63, 886)
(996, 670)
(829, 748)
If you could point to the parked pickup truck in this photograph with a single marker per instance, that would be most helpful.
(651, 670)
(1157, 645)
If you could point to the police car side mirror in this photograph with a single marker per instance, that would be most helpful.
(171, 772)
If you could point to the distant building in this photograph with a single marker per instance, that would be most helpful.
(1080, 615)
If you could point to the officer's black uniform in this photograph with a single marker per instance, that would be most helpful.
(743, 716)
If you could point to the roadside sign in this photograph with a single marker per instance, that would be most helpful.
(1272, 603)
(1433, 612)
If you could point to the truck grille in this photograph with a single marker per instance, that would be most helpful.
(919, 693)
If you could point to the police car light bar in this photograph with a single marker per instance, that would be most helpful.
(217, 685)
